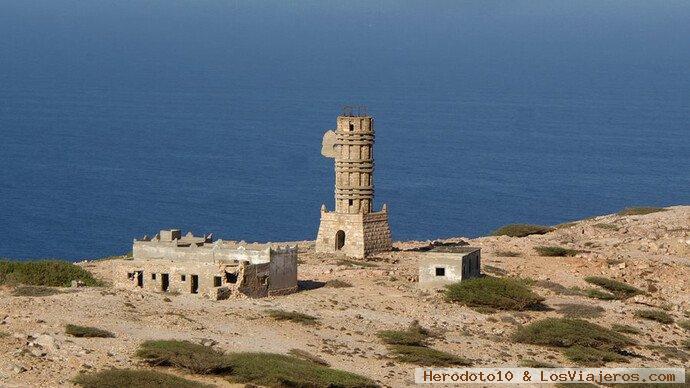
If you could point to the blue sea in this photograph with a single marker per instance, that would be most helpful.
(120, 118)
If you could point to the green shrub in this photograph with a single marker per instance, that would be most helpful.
(276, 370)
(574, 310)
(51, 273)
(292, 316)
(426, 356)
(602, 225)
(685, 324)
(129, 378)
(508, 254)
(185, 355)
(625, 329)
(34, 291)
(273, 370)
(87, 332)
(592, 356)
(654, 315)
(686, 344)
(619, 289)
(521, 230)
(639, 211)
(498, 293)
(337, 283)
(415, 335)
(567, 332)
(555, 251)
(597, 294)
(4, 334)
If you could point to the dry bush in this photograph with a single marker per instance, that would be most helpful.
(640, 211)
(119, 378)
(555, 251)
(87, 332)
(521, 230)
(423, 356)
(337, 283)
(619, 289)
(35, 291)
(415, 335)
(654, 315)
(292, 316)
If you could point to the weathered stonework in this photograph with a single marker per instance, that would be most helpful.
(353, 228)
(437, 269)
(170, 262)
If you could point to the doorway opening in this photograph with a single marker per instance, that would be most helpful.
(195, 284)
(165, 282)
(339, 240)
(140, 279)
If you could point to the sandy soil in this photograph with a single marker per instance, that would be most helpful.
(651, 252)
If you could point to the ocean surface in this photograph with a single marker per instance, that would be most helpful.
(118, 119)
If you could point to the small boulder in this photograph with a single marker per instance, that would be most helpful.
(46, 342)
(208, 342)
(37, 352)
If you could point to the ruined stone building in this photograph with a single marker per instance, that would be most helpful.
(437, 269)
(353, 228)
(170, 262)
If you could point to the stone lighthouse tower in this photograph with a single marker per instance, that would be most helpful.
(353, 228)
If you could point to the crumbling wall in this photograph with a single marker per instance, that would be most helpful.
(179, 275)
(219, 293)
(283, 273)
(254, 279)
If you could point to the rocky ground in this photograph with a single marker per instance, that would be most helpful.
(651, 252)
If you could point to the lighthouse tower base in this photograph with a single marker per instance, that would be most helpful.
(356, 235)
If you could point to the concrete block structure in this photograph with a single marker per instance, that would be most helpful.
(353, 229)
(170, 262)
(437, 269)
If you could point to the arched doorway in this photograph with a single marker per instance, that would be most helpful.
(339, 240)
